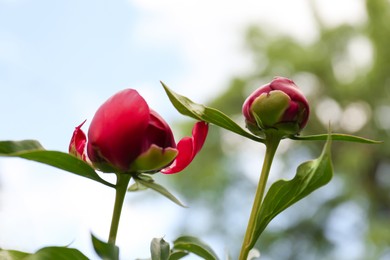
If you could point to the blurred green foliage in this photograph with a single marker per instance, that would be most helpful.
(345, 72)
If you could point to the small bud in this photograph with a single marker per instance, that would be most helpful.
(279, 105)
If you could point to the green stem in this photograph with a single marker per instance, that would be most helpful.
(271, 142)
(120, 193)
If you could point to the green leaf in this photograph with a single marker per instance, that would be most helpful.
(159, 249)
(105, 250)
(150, 183)
(335, 137)
(176, 255)
(18, 146)
(58, 253)
(136, 187)
(195, 246)
(282, 194)
(12, 254)
(33, 150)
(203, 113)
(47, 253)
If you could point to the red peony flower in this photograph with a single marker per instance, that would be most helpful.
(125, 135)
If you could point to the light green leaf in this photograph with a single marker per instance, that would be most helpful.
(159, 249)
(33, 150)
(195, 246)
(58, 253)
(150, 183)
(203, 113)
(14, 147)
(136, 186)
(12, 254)
(47, 253)
(335, 137)
(282, 194)
(105, 250)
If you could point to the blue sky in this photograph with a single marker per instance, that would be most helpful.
(59, 60)
(55, 54)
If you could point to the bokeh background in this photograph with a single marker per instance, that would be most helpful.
(59, 60)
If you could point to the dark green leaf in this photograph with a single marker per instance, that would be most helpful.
(105, 250)
(159, 249)
(160, 189)
(195, 246)
(282, 194)
(203, 113)
(335, 137)
(176, 255)
(32, 150)
(47, 253)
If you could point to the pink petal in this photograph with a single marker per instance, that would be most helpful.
(77, 143)
(199, 134)
(117, 130)
(158, 133)
(188, 147)
(288, 86)
(185, 149)
(292, 112)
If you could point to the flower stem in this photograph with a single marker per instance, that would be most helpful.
(120, 193)
(271, 142)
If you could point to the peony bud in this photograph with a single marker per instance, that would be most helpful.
(279, 105)
(125, 135)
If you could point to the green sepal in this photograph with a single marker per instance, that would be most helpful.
(136, 186)
(154, 159)
(200, 112)
(270, 108)
(259, 127)
(33, 150)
